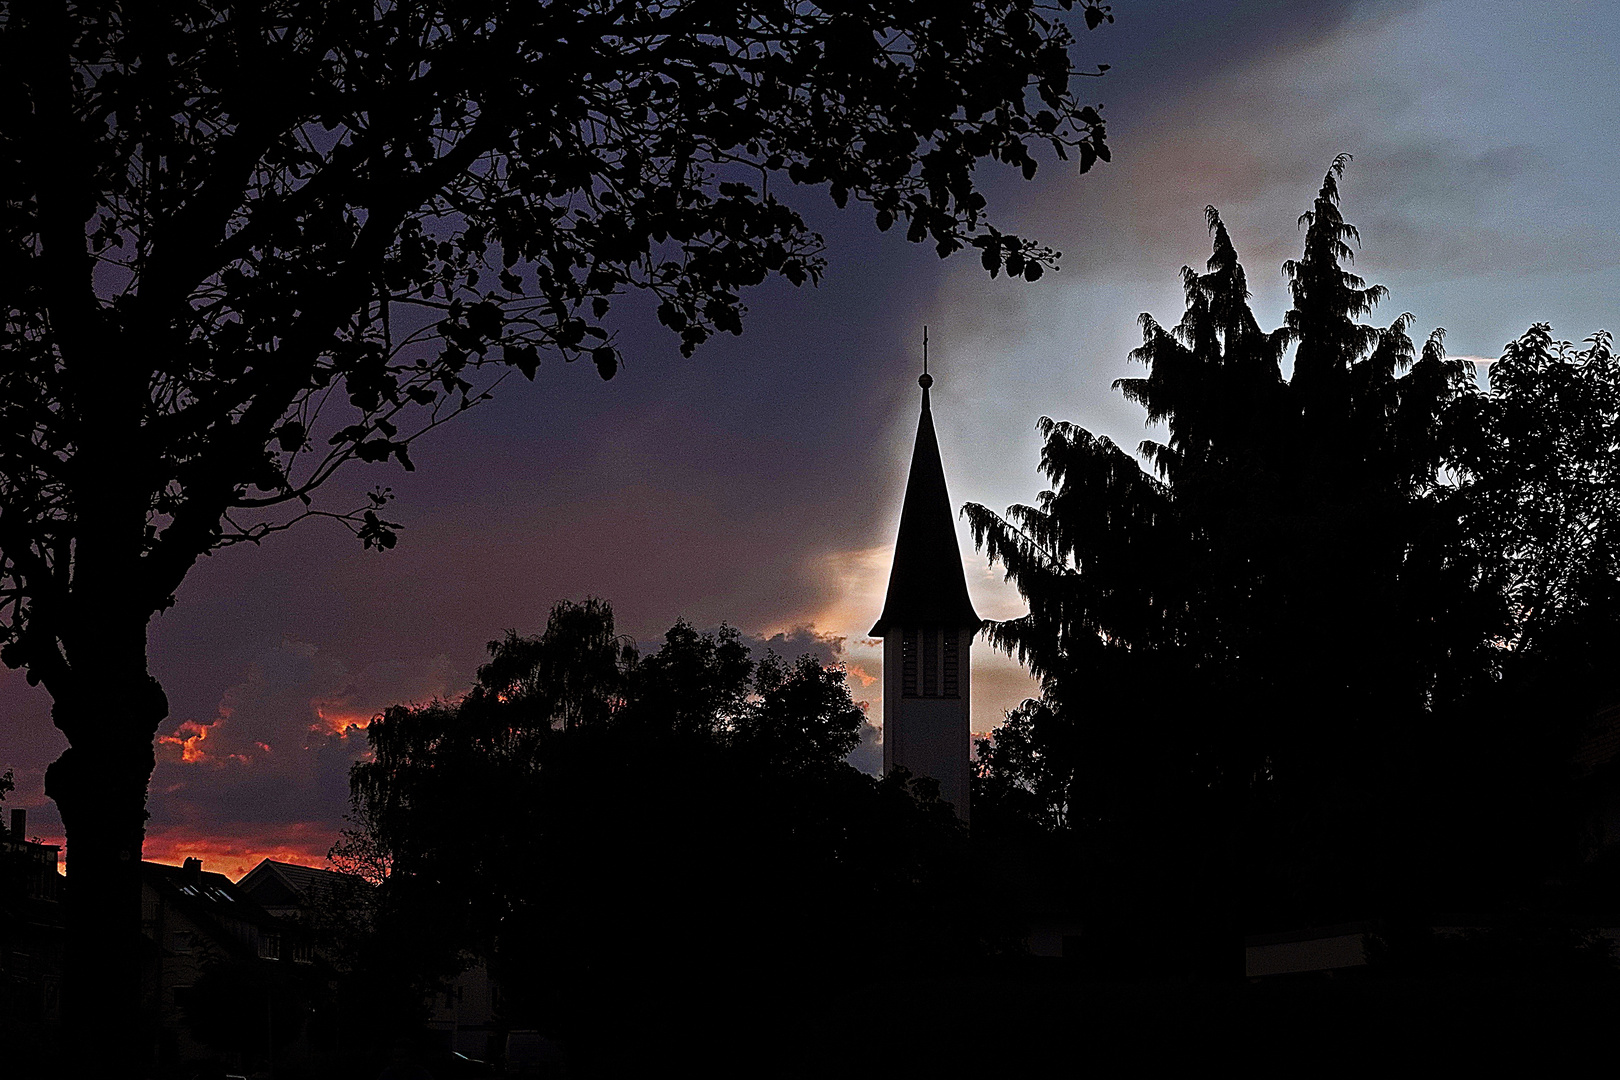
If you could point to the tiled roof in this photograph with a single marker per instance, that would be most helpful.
(273, 880)
(203, 889)
(308, 880)
(211, 900)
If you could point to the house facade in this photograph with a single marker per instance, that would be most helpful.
(32, 937)
(192, 922)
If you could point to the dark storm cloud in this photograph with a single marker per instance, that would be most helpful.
(758, 483)
(828, 649)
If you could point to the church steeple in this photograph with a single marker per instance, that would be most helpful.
(926, 583)
(927, 626)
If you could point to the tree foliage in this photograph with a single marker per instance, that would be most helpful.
(243, 246)
(1338, 610)
(628, 846)
(301, 227)
(1544, 478)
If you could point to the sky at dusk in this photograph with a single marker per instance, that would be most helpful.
(758, 483)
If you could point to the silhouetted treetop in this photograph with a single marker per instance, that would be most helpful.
(1544, 480)
(707, 806)
(579, 680)
(1328, 298)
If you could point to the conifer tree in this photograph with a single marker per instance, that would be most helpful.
(1285, 633)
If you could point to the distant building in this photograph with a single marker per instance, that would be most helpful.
(192, 919)
(31, 937)
(462, 1014)
(290, 891)
(927, 626)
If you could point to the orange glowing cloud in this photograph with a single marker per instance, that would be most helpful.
(191, 735)
(335, 718)
(854, 671)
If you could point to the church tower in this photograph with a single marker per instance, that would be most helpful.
(927, 627)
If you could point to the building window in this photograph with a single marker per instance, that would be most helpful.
(908, 663)
(930, 663)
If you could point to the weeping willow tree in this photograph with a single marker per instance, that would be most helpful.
(1276, 641)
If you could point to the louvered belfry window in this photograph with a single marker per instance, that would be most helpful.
(908, 663)
(930, 663)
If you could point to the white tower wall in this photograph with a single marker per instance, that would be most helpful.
(930, 736)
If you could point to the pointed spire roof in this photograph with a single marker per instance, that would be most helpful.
(926, 583)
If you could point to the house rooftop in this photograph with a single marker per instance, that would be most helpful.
(210, 900)
(289, 885)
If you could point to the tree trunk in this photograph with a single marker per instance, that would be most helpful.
(99, 785)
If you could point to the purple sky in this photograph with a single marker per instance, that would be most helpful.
(759, 482)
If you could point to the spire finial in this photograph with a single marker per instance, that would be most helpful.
(927, 380)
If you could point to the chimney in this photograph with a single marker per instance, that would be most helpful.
(193, 869)
(19, 824)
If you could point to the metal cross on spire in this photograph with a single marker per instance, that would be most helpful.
(927, 380)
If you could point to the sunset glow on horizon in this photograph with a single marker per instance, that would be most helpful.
(233, 856)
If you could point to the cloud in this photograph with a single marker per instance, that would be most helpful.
(860, 676)
(868, 754)
(805, 639)
(267, 773)
(189, 738)
(864, 678)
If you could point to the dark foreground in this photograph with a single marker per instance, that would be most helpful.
(1035, 1022)
(1034, 1026)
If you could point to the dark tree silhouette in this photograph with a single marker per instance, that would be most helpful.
(247, 245)
(624, 874)
(1544, 472)
(252, 1008)
(1317, 649)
